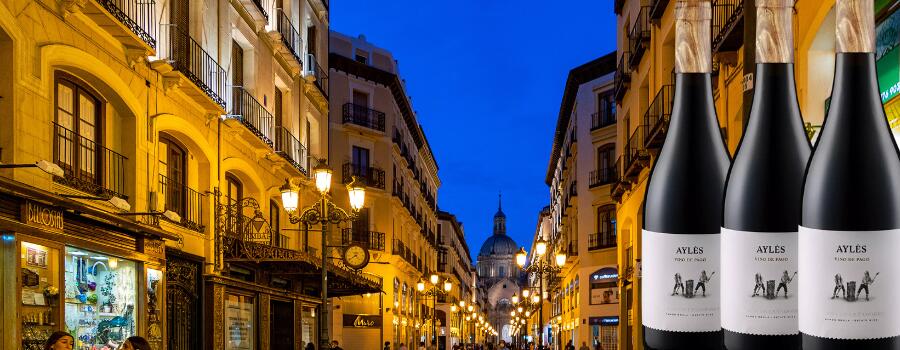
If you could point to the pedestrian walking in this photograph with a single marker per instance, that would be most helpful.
(335, 346)
(59, 340)
(387, 345)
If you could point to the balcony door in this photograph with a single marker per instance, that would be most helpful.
(360, 162)
(361, 227)
(605, 161)
(311, 42)
(172, 159)
(234, 191)
(78, 139)
(179, 34)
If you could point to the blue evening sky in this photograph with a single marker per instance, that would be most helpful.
(486, 77)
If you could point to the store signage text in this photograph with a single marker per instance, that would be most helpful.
(43, 216)
(362, 321)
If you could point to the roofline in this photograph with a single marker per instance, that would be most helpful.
(594, 69)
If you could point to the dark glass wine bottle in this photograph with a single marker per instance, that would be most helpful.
(850, 225)
(683, 204)
(763, 196)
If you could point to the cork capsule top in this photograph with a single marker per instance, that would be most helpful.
(693, 53)
(855, 26)
(774, 34)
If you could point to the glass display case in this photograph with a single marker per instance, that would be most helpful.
(39, 290)
(100, 293)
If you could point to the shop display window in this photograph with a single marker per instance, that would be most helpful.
(39, 291)
(308, 327)
(239, 327)
(154, 311)
(100, 294)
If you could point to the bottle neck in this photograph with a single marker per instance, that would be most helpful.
(855, 83)
(774, 84)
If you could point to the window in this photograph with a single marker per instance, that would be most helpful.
(362, 56)
(233, 194)
(173, 174)
(606, 162)
(360, 98)
(605, 234)
(311, 41)
(501, 271)
(275, 223)
(279, 109)
(78, 131)
(237, 62)
(360, 161)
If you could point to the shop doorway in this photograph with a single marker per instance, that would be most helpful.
(183, 303)
(281, 326)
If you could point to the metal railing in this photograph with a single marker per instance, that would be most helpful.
(639, 35)
(320, 75)
(606, 238)
(622, 76)
(658, 114)
(657, 8)
(88, 166)
(289, 35)
(183, 200)
(636, 148)
(604, 175)
(726, 16)
(371, 176)
(368, 239)
(252, 114)
(261, 6)
(188, 57)
(139, 16)
(363, 116)
(604, 117)
(291, 149)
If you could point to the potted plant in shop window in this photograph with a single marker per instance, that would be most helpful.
(107, 291)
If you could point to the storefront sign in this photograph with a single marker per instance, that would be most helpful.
(604, 321)
(362, 321)
(42, 216)
(153, 247)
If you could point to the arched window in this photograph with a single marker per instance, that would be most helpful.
(78, 132)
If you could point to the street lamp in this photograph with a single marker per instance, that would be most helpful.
(324, 212)
(434, 292)
(540, 267)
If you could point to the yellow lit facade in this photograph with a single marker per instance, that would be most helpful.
(582, 304)
(644, 88)
(375, 136)
(201, 109)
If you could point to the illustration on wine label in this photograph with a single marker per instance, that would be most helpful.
(848, 292)
(692, 290)
(769, 289)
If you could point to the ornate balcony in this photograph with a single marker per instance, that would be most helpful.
(622, 76)
(132, 22)
(371, 176)
(367, 239)
(363, 116)
(317, 74)
(727, 25)
(602, 176)
(288, 41)
(291, 149)
(252, 114)
(636, 155)
(619, 187)
(88, 166)
(657, 116)
(182, 58)
(639, 35)
(185, 201)
(606, 238)
(605, 117)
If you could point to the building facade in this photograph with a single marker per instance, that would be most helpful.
(375, 136)
(644, 89)
(583, 301)
(454, 261)
(164, 131)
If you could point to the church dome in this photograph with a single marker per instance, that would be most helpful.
(498, 244)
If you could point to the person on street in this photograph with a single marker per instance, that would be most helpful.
(135, 343)
(584, 346)
(387, 345)
(309, 346)
(403, 347)
(421, 346)
(59, 340)
(569, 345)
(335, 346)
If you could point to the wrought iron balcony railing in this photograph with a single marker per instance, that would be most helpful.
(88, 166)
(371, 176)
(363, 116)
(289, 35)
(727, 25)
(636, 155)
(603, 176)
(657, 8)
(319, 73)
(187, 56)
(252, 114)
(618, 188)
(603, 118)
(291, 149)
(605, 238)
(367, 239)
(139, 16)
(622, 76)
(185, 201)
(639, 35)
(657, 116)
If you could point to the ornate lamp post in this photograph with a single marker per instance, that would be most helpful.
(324, 213)
(433, 292)
(540, 266)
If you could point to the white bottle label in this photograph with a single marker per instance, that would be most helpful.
(850, 283)
(759, 280)
(680, 276)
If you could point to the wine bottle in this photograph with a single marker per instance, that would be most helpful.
(683, 203)
(850, 223)
(761, 211)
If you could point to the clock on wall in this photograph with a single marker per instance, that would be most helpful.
(356, 256)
